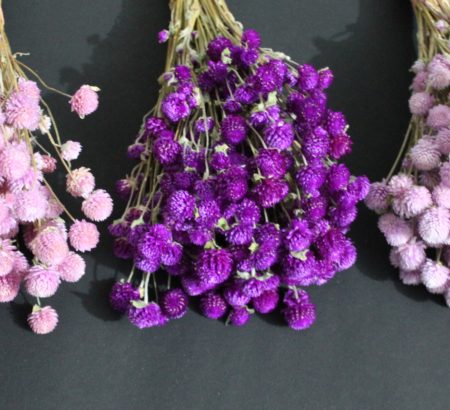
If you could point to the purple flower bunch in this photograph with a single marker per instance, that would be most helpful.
(414, 203)
(238, 198)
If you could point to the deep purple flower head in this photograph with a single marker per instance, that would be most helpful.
(251, 38)
(119, 228)
(245, 94)
(266, 302)
(279, 135)
(271, 163)
(174, 303)
(179, 207)
(234, 129)
(121, 295)
(247, 57)
(267, 78)
(239, 316)
(248, 212)
(359, 187)
(220, 161)
(256, 286)
(150, 263)
(232, 107)
(338, 177)
(182, 73)
(268, 234)
(308, 77)
(299, 297)
(184, 180)
(270, 191)
(122, 249)
(240, 234)
(218, 71)
(235, 297)
(310, 113)
(340, 146)
(315, 208)
(326, 78)
(213, 266)
(147, 316)
(199, 235)
(216, 47)
(166, 150)
(259, 119)
(171, 254)
(300, 272)
(206, 189)
(204, 124)
(233, 184)
(336, 248)
(192, 286)
(212, 305)
(315, 145)
(135, 150)
(208, 213)
(298, 236)
(310, 178)
(175, 107)
(206, 82)
(300, 317)
(163, 36)
(124, 188)
(336, 123)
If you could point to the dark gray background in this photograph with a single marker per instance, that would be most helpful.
(376, 343)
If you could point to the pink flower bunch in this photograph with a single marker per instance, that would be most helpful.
(414, 203)
(29, 205)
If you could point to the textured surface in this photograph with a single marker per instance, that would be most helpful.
(376, 344)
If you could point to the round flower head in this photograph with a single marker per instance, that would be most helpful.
(166, 150)
(121, 295)
(270, 191)
(251, 38)
(239, 316)
(179, 207)
(420, 103)
(235, 296)
(30, 89)
(378, 197)
(444, 173)
(174, 303)
(434, 225)
(399, 184)
(30, 205)
(396, 230)
(435, 276)
(271, 163)
(80, 182)
(85, 100)
(439, 116)
(213, 306)
(439, 73)
(410, 277)
(266, 302)
(163, 36)
(83, 236)
(43, 320)
(41, 282)
(70, 150)
(7, 257)
(49, 246)
(413, 202)
(72, 268)
(15, 160)
(146, 316)
(420, 81)
(301, 316)
(97, 206)
(175, 107)
(279, 135)
(213, 266)
(443, 141)
(22, 112)
(233, 129)
(308, 77)
(9, 287)
(310, 178)
(425, 155)
(411, 255)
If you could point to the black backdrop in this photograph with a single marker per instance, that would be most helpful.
(376, 343)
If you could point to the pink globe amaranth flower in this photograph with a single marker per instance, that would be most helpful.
(396, 230)
(85, 100)
(410, 277)
(49, 164)
(98, 205)
(80, 182)
(30, 89)
(441, 196)
(429, 179)
(22, 112)
(83, 236)
(444, 173)
(54, 209)
(443, 141)
(49, 246)
(27, 182)
(70, 150)
(399, 184)
(439, 116)
(8, 223)
(7, 257)
(419, 82)
(411, 255)
(21, 265)
(30, 205)
(42, 282)
(418, 66)
(420, 103)
(438, 74)
(15, 160)
(413, 202)
(435, 276)
(434, 225)
(72, 268)
(9, 287)
(42, 320)
(378, 197)
(425, 155)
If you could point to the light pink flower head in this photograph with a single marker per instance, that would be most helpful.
(420, 103)
(411, 255)
(438, 73)
(43, 320)
(439, 116)
(54, 208)
(49, 165)
(396, 230)
(435, 276)
(410, 277)
(15, 160)
(27, 182)
(49, 246)
(434, 225)
(30, 205)
(420, 81)
(8, 223)
(22, 112)
(97, 206)
(83, 236)
(70, 150)
(42, 282)
(429, 179)
(72, 268)
(443, 141)
(413, 202)
(21, 265)
(6, 257)
(441, 196)
(30, 89)
(425, 155)
(444, 173)
(9, 287)
(418, 66)
(399, 184)
(378, 197)
(85, 100)
(80, 182)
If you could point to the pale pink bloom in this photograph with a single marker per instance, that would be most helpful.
(420, 103)
(45, 124)
(30, 89)
(443, 141)
(413, 202)
(435, 276)
(49, 246)
(43, 320)
(438, 74)
(41, 282)
(80, 182)
(8, 223)
(425, 155)
(22, 112)
(97, 206)
(30, 205)
(396, 230)
(9, 287)
(14, 160)
(49, 164)
(444, 173)
(411, 255)
(85, 100)
(54, 209)
(21, 265)
(378, 197)
(429, 179)
(83, 236)
(31, 178)
(7, 256)
(72, 268)
(420, 81)
(441, 196)
(399, 184)
(439, 116)
(434, 225)
(38, 160)
(410, 277)
(70, 150)
(418, 66)
(57, 223)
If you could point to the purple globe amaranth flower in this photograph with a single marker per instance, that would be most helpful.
(300, 317)
(174, 303)
(336, 123)
(235, 296)
(124, 188)
(299, 271)
(310, 178)
(200, 235)
(213, 306)
(340, 146)
(308, 77)
(154, 126)
(326, 78)
(240, 234)
(182, 73)
(245, 95)
(298, 236)
(122, 248)
(268, 234)
(218, 71)
(359, 187)
(232, 107)
(192, 286)
(234, 129)
(266, 302)
(259, 119)
(247, 212)
(166, 150)
(294, 298)
(119, 228)
(121, 295)
(343, 217)
(217, 46)
(171, 254)
(175, 107)
(135, 150)
(146, 315)
(279, 135)
(233, 184)
(338, 177)
(180, 206)
(315, 145)
(251, 38)
(270, 191)
(213, 266)
(239, 316)
(271, 163)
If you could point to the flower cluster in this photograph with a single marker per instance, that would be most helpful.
(414, 203)
(238, 196)
(27, 201)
